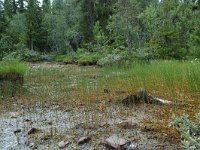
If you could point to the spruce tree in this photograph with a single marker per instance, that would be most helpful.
(34, 23)
(14, 7)
(46, 6)
(8, 8)
(21, 7)
(88, 18)
(2, 19)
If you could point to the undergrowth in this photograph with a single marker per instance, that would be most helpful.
(189, 130)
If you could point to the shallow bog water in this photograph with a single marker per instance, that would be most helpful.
(52, 103)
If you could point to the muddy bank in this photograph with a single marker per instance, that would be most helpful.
(55, 124)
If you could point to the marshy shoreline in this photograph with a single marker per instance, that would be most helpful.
(67, 102)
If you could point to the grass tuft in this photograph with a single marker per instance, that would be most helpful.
(12, 67)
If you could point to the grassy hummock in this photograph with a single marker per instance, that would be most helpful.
(12, 67)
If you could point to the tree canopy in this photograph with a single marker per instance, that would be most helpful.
(166, 29)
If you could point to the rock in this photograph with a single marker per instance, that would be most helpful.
(131, 146)
(62, 144)
(17, 131)
(83, 140)
(27, 120)
(14, 114)
(33, 146)
(33, 131)
(115, 142)
(104, 124)
(49, 122)
(127, 124)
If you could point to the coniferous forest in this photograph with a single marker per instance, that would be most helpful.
(153, 29)
(100, 74)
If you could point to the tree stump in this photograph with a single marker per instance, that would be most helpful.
(142, 96)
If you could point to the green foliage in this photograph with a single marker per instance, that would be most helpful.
(87, 20)
(117, 57)
(2, 19)
(8, 8)
(21, 6)
(189, 131)
(28, 55)
(167, 29)
(12, 67)
(46, 6)
(34, 18)
(81, 57)
(17, 30)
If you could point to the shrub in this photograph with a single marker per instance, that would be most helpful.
(28, 55)
(88, 59)
(190, 131)
(118, 56)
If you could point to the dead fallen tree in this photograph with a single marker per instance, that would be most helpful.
(142, 96)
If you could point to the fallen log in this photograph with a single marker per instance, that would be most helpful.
(142, 96)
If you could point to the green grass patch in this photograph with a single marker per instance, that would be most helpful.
(12, 67)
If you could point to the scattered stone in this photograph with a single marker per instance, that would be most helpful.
(17, 131)
(14, 114)
(62, 144)
(127, 124)
(56, 107)
(49, 122)
(68, 110)
(27, 120)
(33, 131)
(131, 146)
(115, 142)
(83, 140)
(104, 124)
(33, 146)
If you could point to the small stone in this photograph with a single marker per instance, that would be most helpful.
(62, 144)
(115, 142)
(49, 122)
(127, 124)
(33, 146)
(27, 120)
(104, 124)
(32, 131)
(14, 114)
(83, 140)
(131, 146)
(17, 131)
